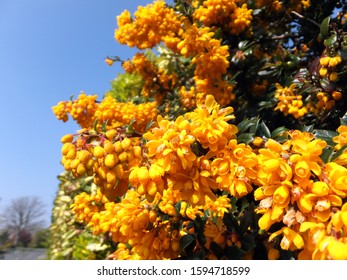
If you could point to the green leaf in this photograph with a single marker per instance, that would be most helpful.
(95, 124)
(324, 27)
(264, 130)
(331, 40)
(235, 253)
(245, 138)
(178, 207)
(149, 124)
(243, 44)
(343, 120)
(231, 222)
(130, 129)
(104, 125)
(326, 155)
(245, 124)
(186, 240)
(255, 126)
(246, 221)
(308, 128)
(326, 135)
(338, 153)
(278, 131)
(247, 242)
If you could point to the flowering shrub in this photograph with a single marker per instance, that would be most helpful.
(232, 145)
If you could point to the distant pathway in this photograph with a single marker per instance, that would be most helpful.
(25, 254)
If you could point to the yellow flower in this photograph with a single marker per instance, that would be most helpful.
(170, 144)
(149, 27)
(337, 175)
(330, 248)
(281, 196)
(291, 240)
(209, 124)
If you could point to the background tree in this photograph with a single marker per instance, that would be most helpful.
(24, 214)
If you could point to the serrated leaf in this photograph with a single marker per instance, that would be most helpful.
(326, 135)
(324, 27)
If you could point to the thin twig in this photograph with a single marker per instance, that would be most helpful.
(305, 18)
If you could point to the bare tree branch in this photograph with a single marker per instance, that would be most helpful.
(24, 214)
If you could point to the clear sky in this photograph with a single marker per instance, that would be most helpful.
(49, 50)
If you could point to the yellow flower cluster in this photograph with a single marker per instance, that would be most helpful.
(324, 101)
(85, 205)
(291, 182)
(111, 165)
(82, 109)
(154, 78)
(149, 27)
(131, 223)
(328, 67)
(236, 168)
(288, 102)
(299, 190)
(118, 114)
(86, 110)
(210, 58)
(189, 39)
(225, 13)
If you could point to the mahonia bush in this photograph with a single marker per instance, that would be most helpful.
(226, 136)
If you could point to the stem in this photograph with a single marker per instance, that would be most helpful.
(305, 18)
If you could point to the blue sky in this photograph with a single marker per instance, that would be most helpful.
(49, 50)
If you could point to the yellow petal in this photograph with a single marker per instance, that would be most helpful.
(298, 241)
(337, 250)
(276, 233)
(265, 221)
(308, 225)
(335, 200)
(271, 164)
(344, 218)
(305, 204)
(276, 213)
(320, 188)
(315, 168)
(323, 215)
